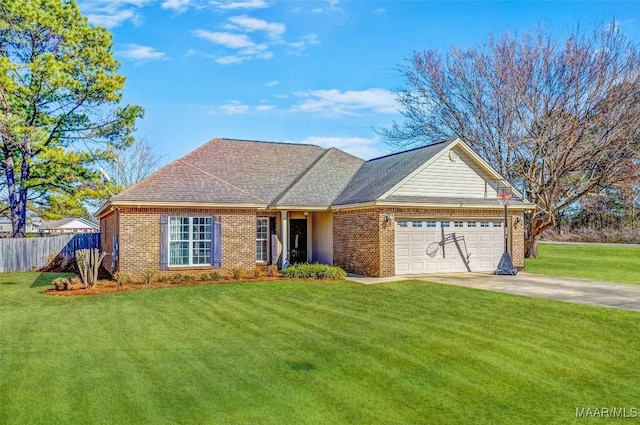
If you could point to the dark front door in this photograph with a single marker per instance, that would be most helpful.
(298, 240)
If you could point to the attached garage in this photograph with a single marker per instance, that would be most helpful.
(444, 245)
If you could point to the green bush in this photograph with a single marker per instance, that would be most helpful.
(179, 278)
(215, 276)
(61, 283)
(314, 271)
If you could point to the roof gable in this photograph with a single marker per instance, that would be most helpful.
(454, 172)
(378, 176)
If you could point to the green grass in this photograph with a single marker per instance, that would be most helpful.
(325, 352)
(598, 262)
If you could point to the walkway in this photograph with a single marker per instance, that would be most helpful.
(605, 294)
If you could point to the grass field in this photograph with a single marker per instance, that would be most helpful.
(309, 353)
(588, 261)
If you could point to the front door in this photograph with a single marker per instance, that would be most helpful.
(298, 240)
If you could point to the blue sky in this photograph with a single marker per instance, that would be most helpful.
(320, 72)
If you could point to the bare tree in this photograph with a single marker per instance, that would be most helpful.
(562, 115)
(136, 162)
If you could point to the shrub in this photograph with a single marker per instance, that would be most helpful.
(257, 273)
(147, 276)
(272, 270)
(61, 284)
(314, 271)
(122, 278)
(180, 278)
(215, 276)
(236, 273)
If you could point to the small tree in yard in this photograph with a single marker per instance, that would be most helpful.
(562, 115)
(89, 261)
(59, 103)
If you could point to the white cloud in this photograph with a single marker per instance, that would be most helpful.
(297, 47)
(380, 11)
(111, 13)
(227, 39)
(110, 20)
(318, 10)
(140, 53)
(240, 4)
(361, 147)
(351, 102)
(248, 24)
(265, 107)
(177, 5)
(235, 107)
(272, 83)
(246, 48)
(251, 38)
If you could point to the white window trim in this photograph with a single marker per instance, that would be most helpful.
(266, 219)
(190, 241)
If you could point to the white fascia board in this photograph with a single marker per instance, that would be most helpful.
(458, 205)
(455, 205)
(296, 208)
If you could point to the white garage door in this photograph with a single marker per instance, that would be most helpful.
(433, 246)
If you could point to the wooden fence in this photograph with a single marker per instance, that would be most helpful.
(27, 254)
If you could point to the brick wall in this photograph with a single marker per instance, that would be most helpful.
(517, 241)
(365, 244)
(107, 230)
(356, 241)
(139, 231)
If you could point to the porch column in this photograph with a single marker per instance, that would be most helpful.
(285, 240)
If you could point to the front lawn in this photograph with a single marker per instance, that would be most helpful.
(589, 261)
(321, 352)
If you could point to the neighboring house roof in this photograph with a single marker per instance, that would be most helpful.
(282, 175)
(68, 223)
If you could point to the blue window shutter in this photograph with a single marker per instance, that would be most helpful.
(164, 242)
(216, 243)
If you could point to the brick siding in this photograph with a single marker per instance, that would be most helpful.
(139, 240)
(107, 230)
(356, 241)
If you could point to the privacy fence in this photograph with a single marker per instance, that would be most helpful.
(27, 254)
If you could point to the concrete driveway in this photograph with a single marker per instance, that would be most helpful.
(605, 294)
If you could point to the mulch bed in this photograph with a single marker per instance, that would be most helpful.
(109, 286)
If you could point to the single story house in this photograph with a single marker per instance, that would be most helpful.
(37, 226)
(244, 204)
(68, 225)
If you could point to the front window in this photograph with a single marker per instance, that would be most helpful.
(189, 241)
(262, 230)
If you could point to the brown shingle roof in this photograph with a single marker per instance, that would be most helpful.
(323, 181)
(227, 171)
